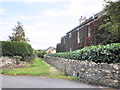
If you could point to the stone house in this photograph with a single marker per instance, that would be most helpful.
(81, 35)
(50, 50)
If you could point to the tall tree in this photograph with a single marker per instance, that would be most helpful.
(109, 31)
(18, 34)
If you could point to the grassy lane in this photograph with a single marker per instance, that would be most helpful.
(38, 68)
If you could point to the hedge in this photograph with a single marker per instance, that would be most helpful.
(16, 49)
(109, 53)
(41, 54)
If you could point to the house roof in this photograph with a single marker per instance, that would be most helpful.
(88, 20)
(50, 48)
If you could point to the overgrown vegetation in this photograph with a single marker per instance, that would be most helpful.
(40, 53)
(38, 68)
(12, 48)
(102, 53)
(109, 31)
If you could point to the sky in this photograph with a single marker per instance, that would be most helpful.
(45, 21)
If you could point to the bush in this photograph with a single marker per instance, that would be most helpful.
(28, 59)
(17, 58)
(41, 54)
(16, 49)
(101, 53)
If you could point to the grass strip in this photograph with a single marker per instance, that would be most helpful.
(38, 68)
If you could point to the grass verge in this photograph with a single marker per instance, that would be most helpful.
(38, 68)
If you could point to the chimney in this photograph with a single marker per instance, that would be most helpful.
(82, 19)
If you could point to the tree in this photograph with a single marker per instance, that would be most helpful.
(109, 31)
(18, 34)
(113, 11)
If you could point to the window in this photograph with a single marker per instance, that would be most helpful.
(89, 32)
(78, 37)
(64, 40)
(70, 35)
(70, 49)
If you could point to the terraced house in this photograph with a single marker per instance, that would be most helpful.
(81, 35)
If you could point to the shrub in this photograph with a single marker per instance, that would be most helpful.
(17, 58)
(101, 53)
(16, 49)
(28, 59)
(41, 54)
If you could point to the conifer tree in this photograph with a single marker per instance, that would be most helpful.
(18, 34)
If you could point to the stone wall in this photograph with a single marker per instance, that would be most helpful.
(89, 72)
(7, 63)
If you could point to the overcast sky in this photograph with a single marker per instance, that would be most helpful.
(45, 21)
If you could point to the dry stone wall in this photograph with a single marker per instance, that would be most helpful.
(89, 72)
(7, 63)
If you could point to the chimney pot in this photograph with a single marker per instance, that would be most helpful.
(81, 20)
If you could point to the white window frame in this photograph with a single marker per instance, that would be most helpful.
(70, 35)
(64, 40)
(89, 32)
(78, 37)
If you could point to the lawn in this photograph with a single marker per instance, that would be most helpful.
(38, 68)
